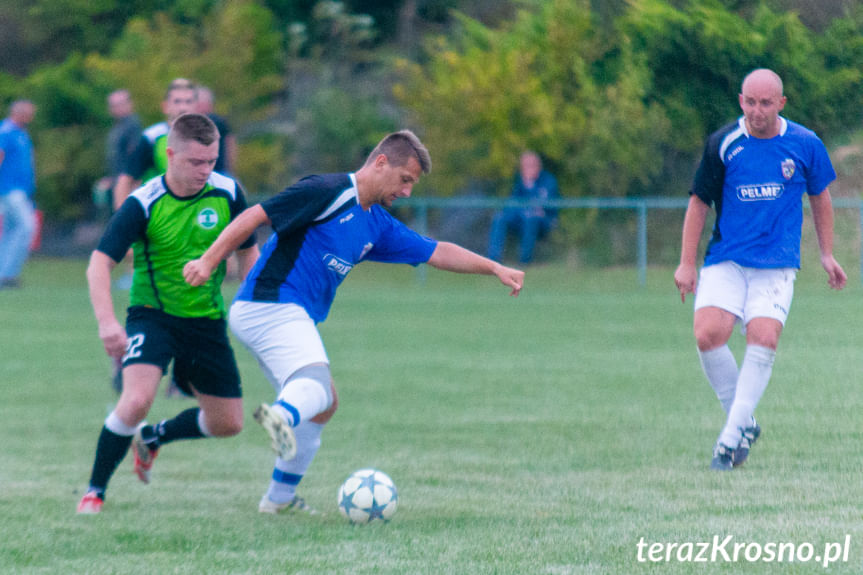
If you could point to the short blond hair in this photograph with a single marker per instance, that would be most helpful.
(399, 147)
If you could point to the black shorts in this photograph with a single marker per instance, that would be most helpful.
(202, 354)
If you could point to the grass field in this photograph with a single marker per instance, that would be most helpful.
(546, 434)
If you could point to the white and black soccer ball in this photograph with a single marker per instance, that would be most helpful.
(367, 495)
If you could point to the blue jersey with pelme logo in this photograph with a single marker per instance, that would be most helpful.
(756, 186)
(320, 232)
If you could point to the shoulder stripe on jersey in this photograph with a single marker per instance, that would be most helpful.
(149, 193)
(153, 132)
(733, 135)
(345, 197)
(217, 180)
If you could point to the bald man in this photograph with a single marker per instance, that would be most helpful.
(754, 173)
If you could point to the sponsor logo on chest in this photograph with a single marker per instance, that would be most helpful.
(760, 192)
(337, 264)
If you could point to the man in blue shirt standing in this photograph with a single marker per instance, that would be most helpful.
(754, 173)
(323, 226)
(17, 184)
(530, 222)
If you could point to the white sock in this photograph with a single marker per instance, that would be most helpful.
(301, 399)
(754, 376)
(720, 367)
(202, 424)
(115, 425)
(288, 474)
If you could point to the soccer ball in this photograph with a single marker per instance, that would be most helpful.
(366, 495)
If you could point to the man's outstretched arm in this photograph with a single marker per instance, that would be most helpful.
(453, 258)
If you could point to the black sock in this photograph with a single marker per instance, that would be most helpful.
(110, 451)
(183, 426)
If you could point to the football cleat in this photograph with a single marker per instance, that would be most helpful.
(297, 504)
(723, 457)
(750, 436)
(282, 435)
(90, 504)
(144, 457)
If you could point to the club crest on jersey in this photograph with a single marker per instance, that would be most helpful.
(760, 192)
(337, 264)
(208, 218)
(788, 168)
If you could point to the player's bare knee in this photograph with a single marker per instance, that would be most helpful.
(225, 426)
(764, 332)
(707, 338)
(233, 426)
(230, 428)
(133, 408)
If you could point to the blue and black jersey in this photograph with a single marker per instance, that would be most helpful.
(320, 233)
(756, 186)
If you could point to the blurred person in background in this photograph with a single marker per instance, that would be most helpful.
(17, 185)
(147, 158)
(119, 144)
(529, 222)
(227, 153)
(228, 143)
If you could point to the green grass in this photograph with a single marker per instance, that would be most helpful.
(540, 435)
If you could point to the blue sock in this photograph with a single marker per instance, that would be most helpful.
(288, 474)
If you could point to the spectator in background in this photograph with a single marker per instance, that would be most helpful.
(530, 222)
(148, 158)
(228, 143)
(227, 154)
(121, 141)
(17, 184)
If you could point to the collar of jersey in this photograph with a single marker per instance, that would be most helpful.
(783, 127)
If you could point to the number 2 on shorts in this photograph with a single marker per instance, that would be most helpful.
(133, 346)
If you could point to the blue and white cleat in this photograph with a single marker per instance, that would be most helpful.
(723, 457)
(750, 436)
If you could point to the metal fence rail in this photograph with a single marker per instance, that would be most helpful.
(641, 206)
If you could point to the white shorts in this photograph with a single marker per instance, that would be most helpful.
(281, 336)
(746, 292)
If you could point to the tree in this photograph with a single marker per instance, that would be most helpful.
(235, 50)
(552, 81)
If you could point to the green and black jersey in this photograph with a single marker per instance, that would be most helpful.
(149, 158)
(165, 232)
